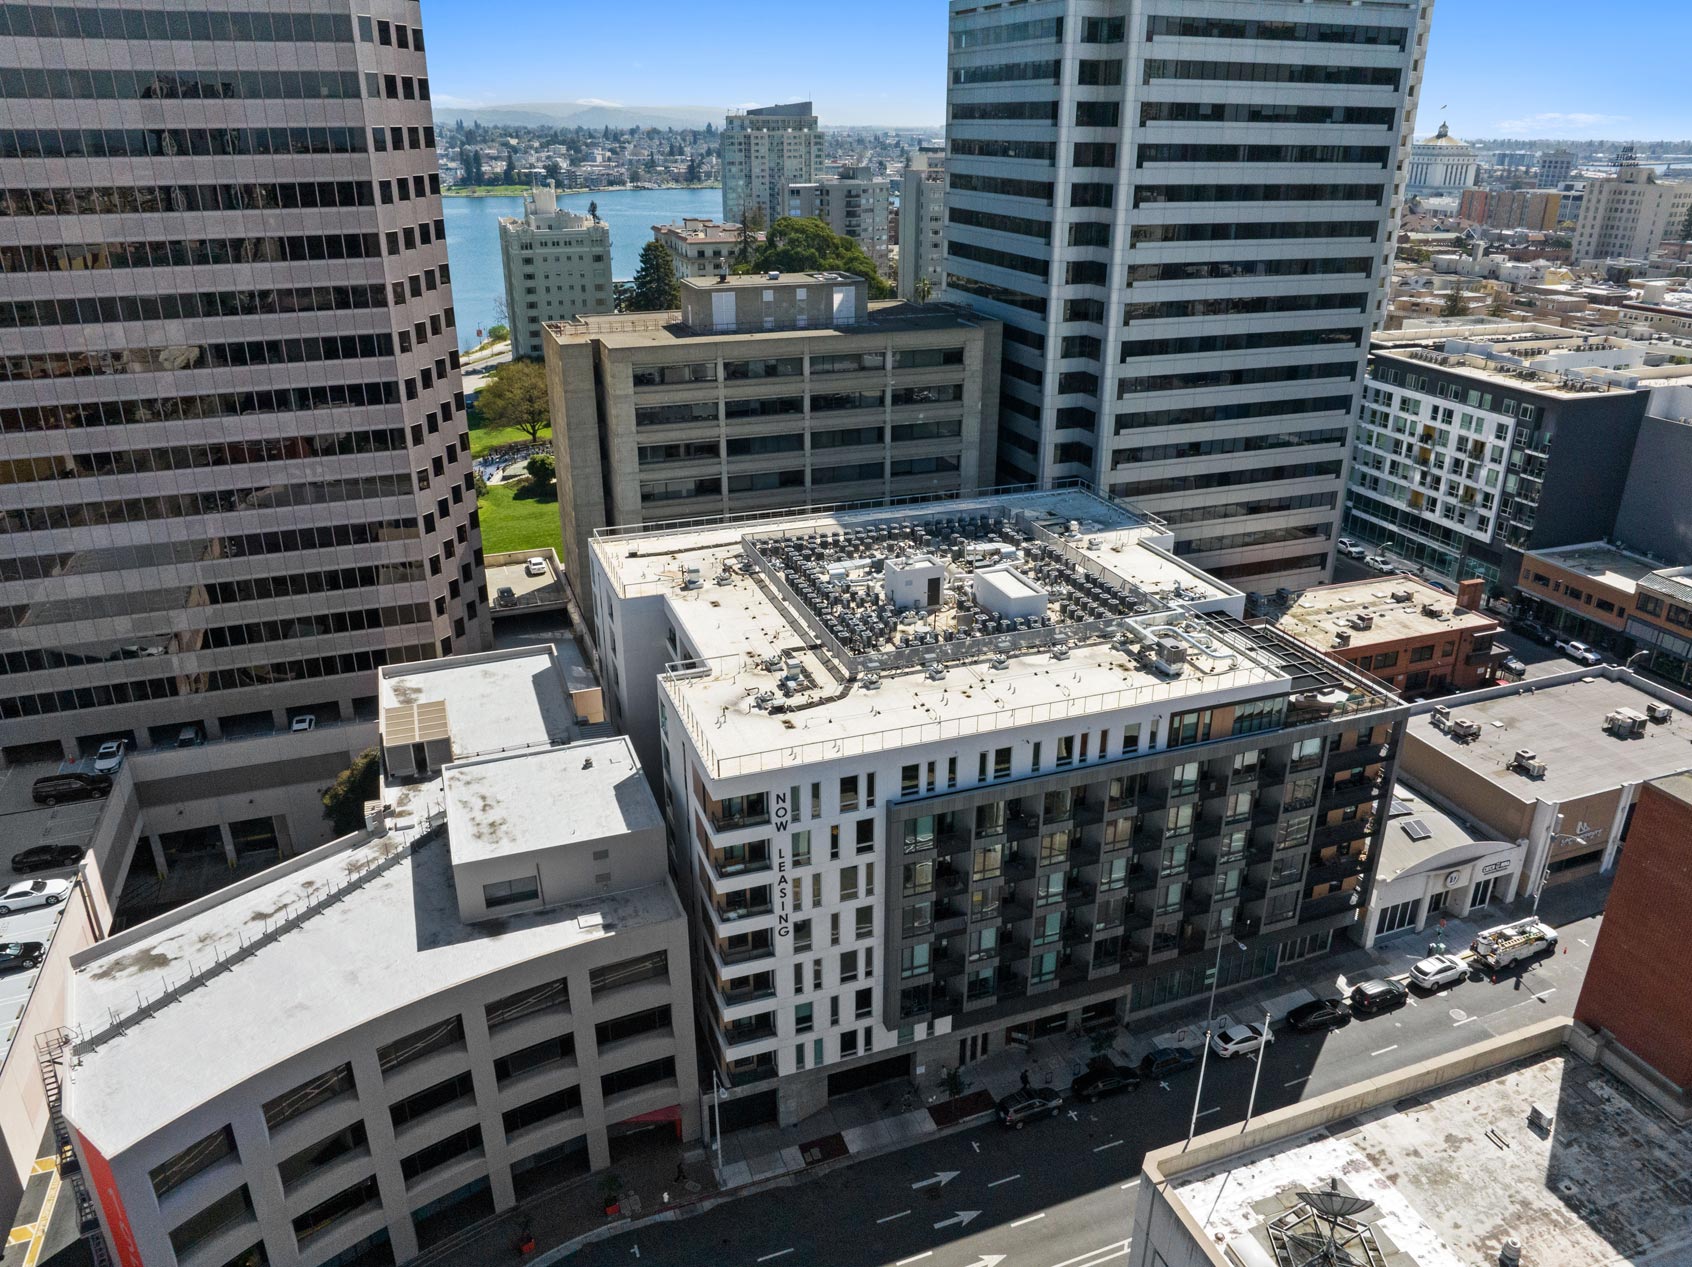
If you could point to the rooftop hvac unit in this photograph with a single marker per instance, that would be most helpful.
(1441, 717)
(1171, 657)
(1433, 611)
(1625, 723)
(1464, 728)
(692, 577)
(1658, 712)
(1528, 763)
(1342, 639)
(1360, 620)
(1402, 596)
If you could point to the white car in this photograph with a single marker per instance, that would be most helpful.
(305, 721)
(1380, 563)
(1351, 549)
(27, 893)
(109, 757)
(535, 567)
(1580, 653)
(1236, 1040)
(1437, 971)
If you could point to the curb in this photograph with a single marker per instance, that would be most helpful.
(788, 1179)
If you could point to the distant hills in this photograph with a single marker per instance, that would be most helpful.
(596, 115)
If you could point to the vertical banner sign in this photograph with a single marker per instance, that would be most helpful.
(110, 1203)
(784, 919)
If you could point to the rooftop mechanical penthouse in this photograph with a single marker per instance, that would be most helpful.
(942, 776)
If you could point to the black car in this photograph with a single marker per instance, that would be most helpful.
(1167, 1060)
(74, 786)
(46, 858)
(1377, 996)
(1319, 1014)
(19, 954)
(1104, 1077)
(1030, 1102)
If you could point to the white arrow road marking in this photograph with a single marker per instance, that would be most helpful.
(1032, 1218)
(1006, 1179)
(941, 1177)
(915, 1258)
(1074, 1116)
(975, 1144)
(960, 1219)
(891, 1217)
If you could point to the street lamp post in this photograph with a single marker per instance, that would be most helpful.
(1209, 1016)
(1262, 1055)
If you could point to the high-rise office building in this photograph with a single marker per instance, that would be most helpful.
(922, 222)
(557, 265)
(237, 475)
(1183, 213)
(763, 151)
(1555, 166)
(855, 203)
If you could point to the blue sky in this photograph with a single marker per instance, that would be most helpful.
(1528, 68)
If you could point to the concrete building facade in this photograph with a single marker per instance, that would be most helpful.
(922, 223)
(1442, 165)
(557, 266)
(1555, 166)
(1184, 214)
(237, 476)
(763, 151)
(855, 204)
(478, 1006)
(1631, 215)
(762, 394)
(1614, 599)
(700, 247)
(942, 778)
(1535, 209)
(1476, 444)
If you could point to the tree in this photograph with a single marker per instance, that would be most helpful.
(655, 285)
(797, 245)
(1456, 303)
(923, 291)
(593, 211)
(498, 332)
(542, 472)
(516, 397)
(343, 800)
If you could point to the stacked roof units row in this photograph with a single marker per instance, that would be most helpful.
(939, 776)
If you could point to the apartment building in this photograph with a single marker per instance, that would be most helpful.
(922, 223)
(761, 394)
(1478, 443)
(763, 151)
(855, 203)
(557, 265)
(1555, 166)
(1614, 599)
(1630, 215)
(702, 248)
(1412, 638)
(237, 477)
(1183, 213)
(1534, 209)
(943, 777)
(414, 1025)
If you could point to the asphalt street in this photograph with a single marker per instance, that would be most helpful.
(1059, 1193)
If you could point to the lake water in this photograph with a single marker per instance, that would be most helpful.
(472, 227)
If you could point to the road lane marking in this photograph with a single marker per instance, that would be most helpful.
(1113, 1143)
(1006, 1179)
(891, 1217)
(1293, 1082)
(780, 1253)
(1383, 1051)
(1540, 995)
(1464, 1021)
(915, 1258)
(1120, 1246)
(1129, 1184)
(1032, 1218)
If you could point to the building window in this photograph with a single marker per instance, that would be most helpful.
(344, 1205)
(544, 1109)
(309, 1095)
(309, 1161)
(513, 1007)
(628, 972)
(198, 1156)
(542, 1055)
(637, 1076)
(1393, 918)
(651, 1021)
(426, 1041)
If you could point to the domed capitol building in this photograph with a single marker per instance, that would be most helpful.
(1441, 164)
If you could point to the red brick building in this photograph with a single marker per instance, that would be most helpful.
(1636, 985)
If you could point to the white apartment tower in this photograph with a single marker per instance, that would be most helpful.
(1182, 210)
(557, 266)
(856, 204)
(1630, 215)
(763, 151)
(922, 222)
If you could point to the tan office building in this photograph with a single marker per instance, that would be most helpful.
(766, 393)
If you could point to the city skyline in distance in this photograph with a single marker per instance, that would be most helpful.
(1469, 83)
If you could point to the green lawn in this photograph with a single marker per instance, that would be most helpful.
(517, 521)
(484, 438)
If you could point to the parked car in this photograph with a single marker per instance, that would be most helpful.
(27, 893)
(1319, 1014)
(535, 567)
(46, 858)
(1380, 563)
(1018, 1107)
(1438, 971)
(1581, 653)
(1373, 997)
(20, 954)
(1167, 1060)
(189, 737)
(1509, 666)
(305, 721)
(1351, 549)
(1510, 943)
(505, 596)
(1237, 1040)
(1104, 1077)
(1533, 629)
(109, 757)
(73, 785)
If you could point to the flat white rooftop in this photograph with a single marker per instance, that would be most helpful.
(495, 700)
(390, 940)
(1618, 569)
(509, 804)
(1325, 610)
(1564, 725)
(1604, 1186)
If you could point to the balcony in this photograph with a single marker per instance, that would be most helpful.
(1335, 903)
(744, 1073)
(1355, 792)
(949, 918)
(756, 903)
(757, 948)
(1079, 893)
(1342, 832)
(753, 1030)
(1350, 758)
(751, 989)
(729, 817)
(1023, 828)
(1021, 866)
(950, 881)
(729, 863)
(1341, 868)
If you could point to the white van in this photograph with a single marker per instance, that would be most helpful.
(1510, 943)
